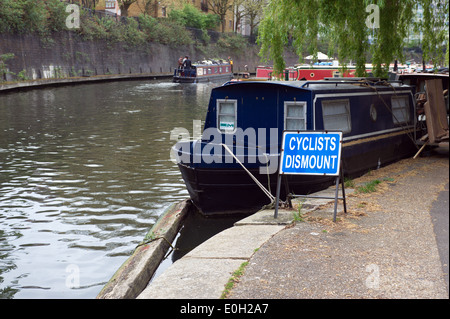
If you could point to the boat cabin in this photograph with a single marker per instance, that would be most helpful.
(203, 72)
(245, 120)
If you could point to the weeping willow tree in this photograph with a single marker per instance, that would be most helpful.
(434, 27)
(353, 29)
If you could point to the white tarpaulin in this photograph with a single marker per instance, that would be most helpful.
(320, 56)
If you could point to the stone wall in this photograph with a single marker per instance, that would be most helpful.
(66, 54)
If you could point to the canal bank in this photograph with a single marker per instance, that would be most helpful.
(42, 83)
(385, 247)
(133, 276)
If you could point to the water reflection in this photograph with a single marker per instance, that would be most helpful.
(84, 173)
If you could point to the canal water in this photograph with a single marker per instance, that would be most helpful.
(85, 172)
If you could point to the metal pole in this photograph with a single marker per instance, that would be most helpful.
(277, 200)
(343, 188)
(336, 199)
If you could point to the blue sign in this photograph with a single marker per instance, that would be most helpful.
(311, 153)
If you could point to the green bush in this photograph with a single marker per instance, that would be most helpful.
(91, 27)
(131, 32)
(190, 16)
(10, 16)
(235, 42)
(3, 67)
(22, 16)
(46, 16)
(166, 32)
(39, 16)
(57, 15)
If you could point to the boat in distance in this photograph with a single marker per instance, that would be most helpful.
(203, 72)
(240, 143)
(308, 72)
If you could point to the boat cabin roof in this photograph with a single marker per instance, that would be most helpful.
(330, 85)
(202, 64)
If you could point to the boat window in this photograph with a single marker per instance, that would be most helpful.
(295, 115)
(400, 109)
(226, 115)
(336, 115)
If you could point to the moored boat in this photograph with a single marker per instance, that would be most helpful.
(308, 72)
(203, 72)
(240, 145)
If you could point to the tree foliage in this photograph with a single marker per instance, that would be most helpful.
(190, 16)
(221, 8)
(253, 11)
(347, 27)
(31, 16)
(434, 26)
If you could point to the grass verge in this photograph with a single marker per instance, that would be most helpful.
(233, 280)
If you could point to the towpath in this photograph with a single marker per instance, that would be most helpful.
(385, 248)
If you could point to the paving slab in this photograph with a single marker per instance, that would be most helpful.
(235, 242)
(204, 272)
(192, 278)
(265, 217)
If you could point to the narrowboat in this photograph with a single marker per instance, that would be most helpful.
(305, 72)
(240, 143)
(205, 71)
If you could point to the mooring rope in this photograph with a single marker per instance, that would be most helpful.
(268, 194)
(405, 127)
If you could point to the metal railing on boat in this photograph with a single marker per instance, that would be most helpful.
(336, 81)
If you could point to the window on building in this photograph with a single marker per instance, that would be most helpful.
(110, 4)
(226, 115)
(163, 11)
(295, 115)
(336, 115)
(400, 109)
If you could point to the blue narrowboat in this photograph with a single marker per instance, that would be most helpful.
(203, 72)
(240, 145)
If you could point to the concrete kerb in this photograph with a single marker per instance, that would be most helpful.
(204, 272)
(31, 84)
(136, 272)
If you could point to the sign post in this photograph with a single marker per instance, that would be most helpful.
(311, 153)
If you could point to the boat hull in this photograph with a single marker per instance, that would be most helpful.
(377, 122)
(230, 190)
(202, 79)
